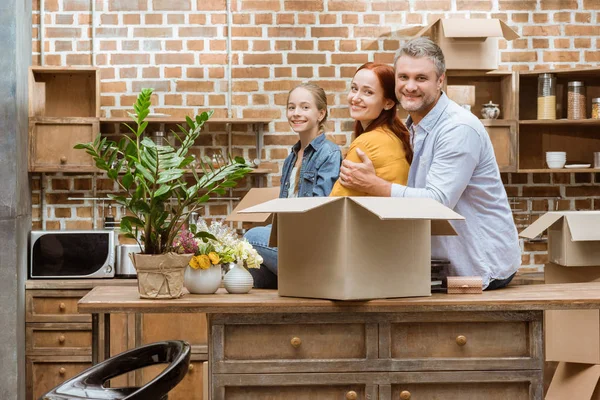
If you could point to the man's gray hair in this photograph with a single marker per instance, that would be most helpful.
(423, 47)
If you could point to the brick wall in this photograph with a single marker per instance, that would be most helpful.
(180, 48)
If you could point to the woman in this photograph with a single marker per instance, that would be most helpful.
(378, 131)
(310, 170)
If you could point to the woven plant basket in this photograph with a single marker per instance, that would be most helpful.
(160, 276)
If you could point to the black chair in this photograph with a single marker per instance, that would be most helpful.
(89, 384)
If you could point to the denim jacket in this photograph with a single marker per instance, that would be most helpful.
(319, 170)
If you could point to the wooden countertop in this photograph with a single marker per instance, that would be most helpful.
(105, 299)
(77, 284)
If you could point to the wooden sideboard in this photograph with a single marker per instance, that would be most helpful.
(463, 347)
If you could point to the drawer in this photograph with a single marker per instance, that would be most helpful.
(462, 391)
(295, 341)
(493, 339)
(55, 339)
(45, 373)
(321, 392)
(54, 306)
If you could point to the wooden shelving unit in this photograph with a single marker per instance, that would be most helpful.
(578, 138)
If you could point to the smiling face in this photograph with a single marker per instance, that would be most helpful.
(417, 85)
(302, 112)
(366, 98)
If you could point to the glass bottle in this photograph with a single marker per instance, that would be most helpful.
(546, 96)
(596, 108)
(158, 137)
(576, 101)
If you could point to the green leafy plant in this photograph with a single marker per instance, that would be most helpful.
(158, 197)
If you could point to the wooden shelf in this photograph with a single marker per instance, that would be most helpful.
(177, 120)
(559, 170)
(497, 122)
(575, 122)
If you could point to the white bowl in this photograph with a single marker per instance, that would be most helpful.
(562, 153)
(556, 159)
(555, 164)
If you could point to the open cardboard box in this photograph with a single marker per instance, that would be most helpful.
(573, 237)
(572, 335)
(350, 248)
(575, 381)
(470, 44)
(253, 197)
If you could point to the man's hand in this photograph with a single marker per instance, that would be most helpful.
(361, 177)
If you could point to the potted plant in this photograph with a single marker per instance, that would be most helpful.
(224, 250)
(157, 195)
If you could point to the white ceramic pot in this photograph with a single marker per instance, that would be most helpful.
(203, 281)
(238, 280)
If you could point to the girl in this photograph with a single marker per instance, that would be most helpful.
(378, 131)
(310, 170)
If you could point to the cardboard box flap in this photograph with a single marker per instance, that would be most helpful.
(253, 197)
(541, 224)
(584, 227)
(573, 381)
(406, 208)
(480, 29)
(390, 208)
(295, 205)
(477, 29)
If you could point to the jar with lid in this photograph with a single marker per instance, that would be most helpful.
(576, 101)
(546, 96)
(596, 108)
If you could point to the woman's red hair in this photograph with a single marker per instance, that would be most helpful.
(389, 118)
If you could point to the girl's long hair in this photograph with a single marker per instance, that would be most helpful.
(388, 118)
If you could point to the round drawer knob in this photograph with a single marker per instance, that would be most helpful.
(405, 395)
(61, 339)
(295, 342)
(351, 395)
(62, 371)
(62, 306)
(461, 340)
(191, 368)
(63, 160)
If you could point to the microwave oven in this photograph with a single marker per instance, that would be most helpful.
(72, 254)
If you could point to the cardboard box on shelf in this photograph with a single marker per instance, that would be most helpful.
(470, 44)
(572, 335)
(351, 248)
(575, 381)
(573, 237)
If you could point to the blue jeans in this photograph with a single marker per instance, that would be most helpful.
(266, 276)
(500, 283)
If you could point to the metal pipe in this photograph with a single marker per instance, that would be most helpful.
(229, 62)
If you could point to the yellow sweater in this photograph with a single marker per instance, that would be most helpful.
(386, 152)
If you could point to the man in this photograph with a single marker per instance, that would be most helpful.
(453, 163)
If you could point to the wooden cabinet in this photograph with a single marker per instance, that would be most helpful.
(455, 355)
(64, 109)
(59, 339)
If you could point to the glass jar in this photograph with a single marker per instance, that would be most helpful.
(596, 108)
(158, 137)
(546, 98)
(576, 103)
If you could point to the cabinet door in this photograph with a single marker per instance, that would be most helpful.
(51, 144)
(504, 140)
(44, 373)
(193, 385)
(189, 327)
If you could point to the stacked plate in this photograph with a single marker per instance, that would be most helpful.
(556, 159)
(438, 274)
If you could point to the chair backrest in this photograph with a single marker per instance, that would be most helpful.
(176, 353)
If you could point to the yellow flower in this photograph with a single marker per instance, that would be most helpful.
(214, 257)
(203, 261)
(194, 263)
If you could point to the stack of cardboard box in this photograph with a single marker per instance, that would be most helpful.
(572, 337)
